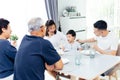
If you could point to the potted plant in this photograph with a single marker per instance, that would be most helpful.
(14, 37)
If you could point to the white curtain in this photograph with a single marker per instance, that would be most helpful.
(52, 10)
(99, 10)
(117, 17)
(117, 13)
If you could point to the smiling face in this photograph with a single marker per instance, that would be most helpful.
(6, 32)
(51, 29)
(70, 38)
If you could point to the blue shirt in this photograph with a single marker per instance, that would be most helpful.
(32, 55)
(7, 56)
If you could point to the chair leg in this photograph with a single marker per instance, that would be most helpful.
(116, 76)
(109, 77)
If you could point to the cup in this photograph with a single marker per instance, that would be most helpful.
(92, 53)
(77, 59)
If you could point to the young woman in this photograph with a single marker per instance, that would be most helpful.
(53, 35)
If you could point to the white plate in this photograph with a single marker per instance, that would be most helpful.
(65, 60)
(66, 50)
(85, 52)
(60, 52)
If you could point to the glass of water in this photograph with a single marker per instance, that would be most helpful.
(92, 53)
(77, 59)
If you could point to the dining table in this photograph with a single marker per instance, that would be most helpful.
(79, 64)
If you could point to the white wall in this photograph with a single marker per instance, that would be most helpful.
(18, 12)
(75, 24)
(80, 5)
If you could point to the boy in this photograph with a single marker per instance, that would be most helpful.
(72, 44)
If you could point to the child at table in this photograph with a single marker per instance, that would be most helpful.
(71, 44)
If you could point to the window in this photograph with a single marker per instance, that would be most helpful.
(107, 10)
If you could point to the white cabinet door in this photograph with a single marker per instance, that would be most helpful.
(76, 23)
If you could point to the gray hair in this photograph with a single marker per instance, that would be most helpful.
(34, 24)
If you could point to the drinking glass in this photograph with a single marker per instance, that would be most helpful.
(92, 53)
(77, 59)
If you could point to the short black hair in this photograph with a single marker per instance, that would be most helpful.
(101, 25)
(3, 24)
(72, 32)
(48, 24)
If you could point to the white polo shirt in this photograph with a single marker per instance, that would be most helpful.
(57, 40)
(108, 43)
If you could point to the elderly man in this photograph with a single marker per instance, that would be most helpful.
(35, 54)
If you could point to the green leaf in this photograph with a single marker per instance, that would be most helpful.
(13, 37)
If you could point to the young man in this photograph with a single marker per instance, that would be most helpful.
(107, 42)
(35, 54)
(72, 44)
(7, 51)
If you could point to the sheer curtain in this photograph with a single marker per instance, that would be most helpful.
(99, 10)
(117, 13)
(117, 17)
(52, 10)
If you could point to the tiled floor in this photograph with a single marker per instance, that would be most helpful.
(48, 77)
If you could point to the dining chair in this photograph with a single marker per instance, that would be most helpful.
(113, 72)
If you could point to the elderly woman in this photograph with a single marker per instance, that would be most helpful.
(7, 51)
